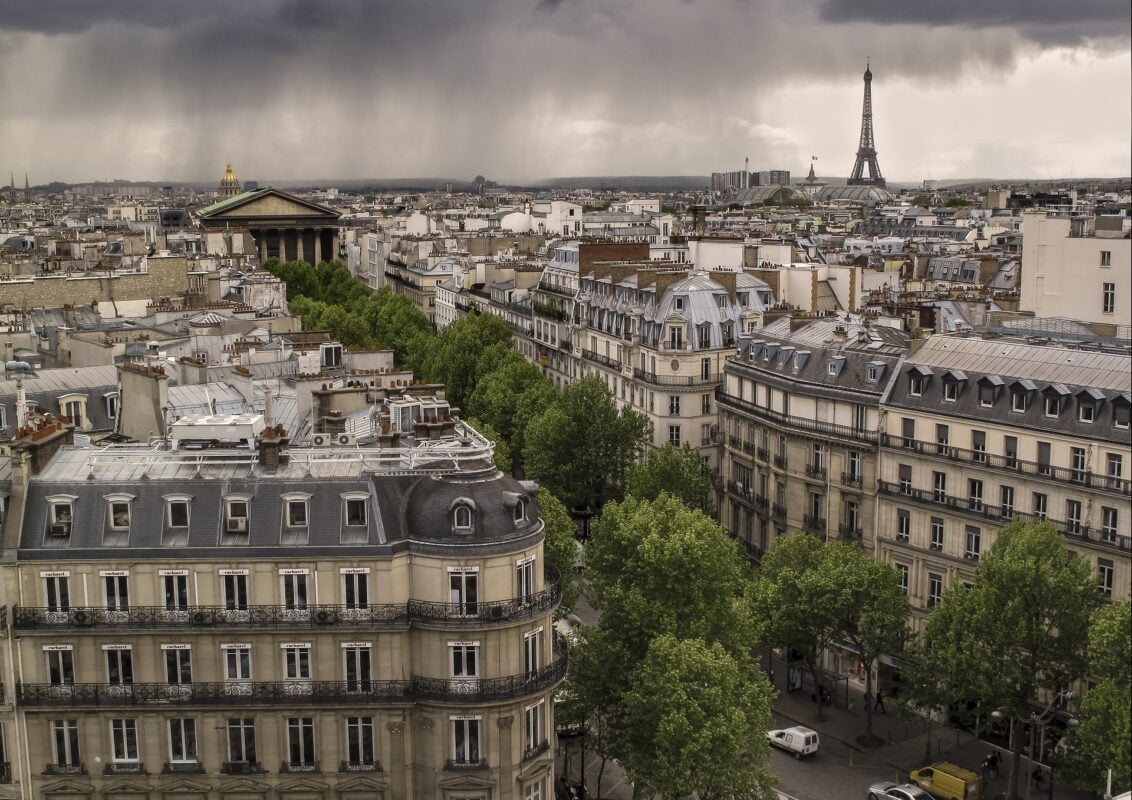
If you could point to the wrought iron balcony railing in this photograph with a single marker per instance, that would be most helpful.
(242, 768)
(275, 693)
(815, 471)
(813, 524)
(316, 616)
(801, 424)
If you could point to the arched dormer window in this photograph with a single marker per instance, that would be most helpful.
(463, 515)
(520, 510)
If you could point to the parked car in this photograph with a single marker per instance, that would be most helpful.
(949, 781)
(797, 740)
(887, 790)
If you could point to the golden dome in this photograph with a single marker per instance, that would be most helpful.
(229, 176)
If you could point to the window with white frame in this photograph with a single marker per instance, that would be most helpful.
(62, 513)
(533, 790)
(300, 741)
(73, 406)
(296, 510)
(1106, 258)
(355, 589)
(177, 511)
(674, 435)
(520, 510)
(237, 661)
(360, 745)
(525, 579)
(974, 543)
(1105, 575)
(119, 664)
(182, 740)
(463, 517)
(65, 742)
(236, 517)
(903, 525)
(234, 591)
(465, 739)
(111, 399)
(116, 589)
(674, 405)
(950, 391)
(902, 577)
(355, 511)
(175, 587)
(1114, 470)
(532, 650)
(915, 384)
(124, 740)
(241, 740)
(533, 736)
(1108, 298)
(1018, 401)
(358, 663)
(57, 591)
(293, 588)
(935, 589)
(464, 658)
(1006, 502)
(296, 661)
(936, 533)
(118, 510)
(1040, 505)
(463, 591)
(1052, 406)
(60, 664)
(1086, 411)
(178, 663)
(1109, 519)
(1073, 516)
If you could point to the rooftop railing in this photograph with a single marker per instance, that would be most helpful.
(801, 424)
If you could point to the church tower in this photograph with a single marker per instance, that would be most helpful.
(867, 151)
(229, 184)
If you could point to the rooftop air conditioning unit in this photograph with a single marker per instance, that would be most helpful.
(345, 439)
(60, 529)
(238, 525)
(320, 440)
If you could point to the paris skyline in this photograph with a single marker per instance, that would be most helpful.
(291, 89)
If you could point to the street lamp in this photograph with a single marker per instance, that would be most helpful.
(1036, 719)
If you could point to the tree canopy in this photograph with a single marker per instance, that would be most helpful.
(581, 447)
(679, 471)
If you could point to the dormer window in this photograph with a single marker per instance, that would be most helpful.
(1121, 412)
(1053, 406)
(831, 367)
(237, 516)
(1088, 405)
(873, 371)
(177, 512)
(62, 514)
(915, 384)
(296, 511)
(118, 508)
(111, 399)
(950, 391)
(463, 515)
(678, 303)
(521, 510)
(1018, 401)
(355, 512)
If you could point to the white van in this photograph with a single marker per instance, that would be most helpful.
(797, 740)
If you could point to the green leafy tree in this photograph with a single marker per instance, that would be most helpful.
(679, 471)
(795, 604)
(872, 610)
(502, 451)
(1021, 630)
(923, 690)
(536, 398)
(697, 716)
(496, 395)
(1103, 740)
(581, 447)
(560, 548)
(459, 349)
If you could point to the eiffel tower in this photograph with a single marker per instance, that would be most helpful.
(866, 151)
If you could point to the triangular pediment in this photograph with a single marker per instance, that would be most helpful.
(126, 787)
(269, 203)
(361, 783)
(66, 786)
(187, 785)
(241, 785)
(466, 782)
(532, 771)
(303, 784)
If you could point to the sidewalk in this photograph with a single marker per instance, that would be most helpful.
(906, 741)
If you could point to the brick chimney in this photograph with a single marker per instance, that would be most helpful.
(272, 446)
(726, 280)
(666, 279)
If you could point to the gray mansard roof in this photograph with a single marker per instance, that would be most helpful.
(1076, 376)
(405, 509)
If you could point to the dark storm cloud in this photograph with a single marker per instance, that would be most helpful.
(1048, 22)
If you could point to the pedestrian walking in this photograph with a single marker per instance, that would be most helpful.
(990, 764)
(879, 706)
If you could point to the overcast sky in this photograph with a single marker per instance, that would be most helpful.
(527, 89)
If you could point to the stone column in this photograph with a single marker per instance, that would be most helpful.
(334, 244)
(299, 244)
(261, 241)
(506, 760)
(397, 756)
(317, 246)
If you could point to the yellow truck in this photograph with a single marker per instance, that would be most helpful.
(950, 781)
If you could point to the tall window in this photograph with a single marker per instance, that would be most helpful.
(178, 663)
(57, 592)
(1041, 503)
(1109, 519)
(355, 590)
(902, 573)
(674, 435)
(466, 740)
(463, 592)
(297, 663)
(237, 663)
(176, 589)
(464, 659)
(124, 739)
(300, 741)
(903, 525)
(359, 741)
(1006, 495)
(120, 667)
(525, 579)
(936, 533)
(241, 740)
(935, 589)
(359, 668)
(531, 649)
(60, 666)
(235, 590)
(65, 740)
(942, 439)
(974, 494)
(854, 465)
(1073, 516)
(974, 543)
(355, 512)
(1108, 298)
(1010, 450)
(1106, 258)
(1105, 574)
(182, 740)
(674, 405)
(296, 513)
(178, 511)
(532, 726)
(939, 486)
(1077, 463)
(1114, 470)
(294, 584)
(979, 446)
(117, 591)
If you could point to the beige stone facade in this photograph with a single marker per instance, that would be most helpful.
(162, 276)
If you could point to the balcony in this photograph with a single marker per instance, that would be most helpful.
(65, 769)
(676, 380)
(293, 693)
(813, 524)
(182, 768)
(851, 479)
(242, 768)
(466, 764)
(360, 766)
(536, 751)
(997, 515)
(761, 454)
(848, 532)
(815, 471)
(124, 768)
(329, 617)
(300, 766)
(1008, 463)
(800, 424)
(780, 462)
(597, 358)
(740, 491)
(778, 511)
